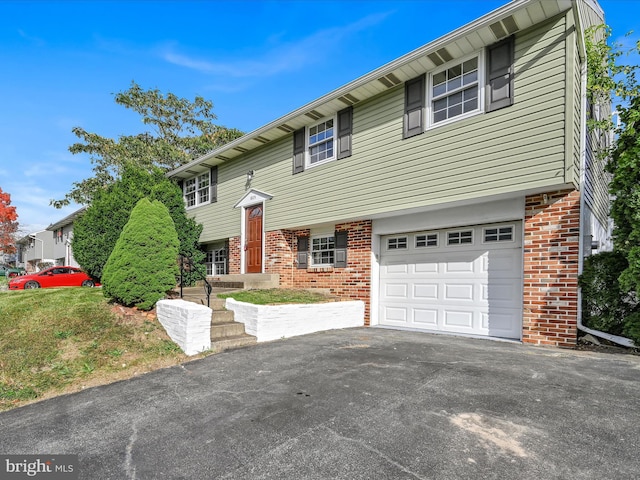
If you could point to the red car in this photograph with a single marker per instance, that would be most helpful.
(53, 277)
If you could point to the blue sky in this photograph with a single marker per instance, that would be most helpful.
(61, 62)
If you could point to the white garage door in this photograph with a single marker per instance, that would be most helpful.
(462, 280)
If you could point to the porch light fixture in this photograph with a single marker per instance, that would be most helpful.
(250, 174)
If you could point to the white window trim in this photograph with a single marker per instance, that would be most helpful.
(426, 239)
(311, 261)
(460, 231)
(196, 191)
(429, 124)
(398, 239)
(498, 227)
(307, 154)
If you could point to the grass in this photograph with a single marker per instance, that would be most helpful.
(276, 296)
(55, 341)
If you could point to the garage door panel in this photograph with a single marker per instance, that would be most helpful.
(396, 290)
(427, 267)
(454, 320)
(459, 267)
(474, 289)
(459, 292)
(427, 318)
(396, 314)
(401, 268)
(500, 261)
(428, 291)
(504, 323)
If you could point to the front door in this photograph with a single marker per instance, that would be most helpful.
(253, 245)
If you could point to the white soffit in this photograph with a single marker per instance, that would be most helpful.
(492, 27)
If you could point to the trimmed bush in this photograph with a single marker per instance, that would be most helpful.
(142, 267)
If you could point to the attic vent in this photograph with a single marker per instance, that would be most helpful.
(223, 158)
(285, 128)
(348, 99)
(314, 115)
(441, 56)
(241, 149)
(192, 172)
(261, 139)
(504, 27)
(389, 80)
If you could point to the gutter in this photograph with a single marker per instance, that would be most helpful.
(625, 342)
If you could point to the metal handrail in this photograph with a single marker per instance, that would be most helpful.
(186, 265)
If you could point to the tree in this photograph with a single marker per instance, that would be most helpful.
(143, 267)
(181, 131)
(95, 233)
(8, 223)
(607, 77)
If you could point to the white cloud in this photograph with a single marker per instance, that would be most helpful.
(280, 57)
(34, 40)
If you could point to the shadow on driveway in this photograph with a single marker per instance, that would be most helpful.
(362, 403)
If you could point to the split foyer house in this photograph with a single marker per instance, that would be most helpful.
(452, 190)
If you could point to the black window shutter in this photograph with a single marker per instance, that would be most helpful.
(341, 250)
(345, 123)
(298, 150)
(303, 252)
(213, 184)
(414, 105)
(500, 75)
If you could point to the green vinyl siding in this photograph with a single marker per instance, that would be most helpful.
(517, 148)
(596, 191)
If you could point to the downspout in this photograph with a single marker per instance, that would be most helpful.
(626, 342)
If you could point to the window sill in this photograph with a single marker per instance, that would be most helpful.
(320, 268)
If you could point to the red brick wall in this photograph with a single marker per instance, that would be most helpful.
(234, 255)
(281, 249)
(551, 250)
(353, 282)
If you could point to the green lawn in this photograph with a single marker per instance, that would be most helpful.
(276, 296)
(59, 340)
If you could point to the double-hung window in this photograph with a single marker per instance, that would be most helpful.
(460, 88)
(321, 141)
(455, 91)
(201, 189)
(323, 250)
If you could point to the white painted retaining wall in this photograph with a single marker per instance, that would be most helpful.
(270, 322)
(187, 323)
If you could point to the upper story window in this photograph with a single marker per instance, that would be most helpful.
(322, 142)
(455, 91)
(460, 88)
(201, 189)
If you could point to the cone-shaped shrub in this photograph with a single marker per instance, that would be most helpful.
(142, 267)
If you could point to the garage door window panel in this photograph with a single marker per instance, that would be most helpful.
(427, 240)
(397, 243)
(463, 237)
(498, 234)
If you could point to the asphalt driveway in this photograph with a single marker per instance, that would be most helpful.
(353, 404)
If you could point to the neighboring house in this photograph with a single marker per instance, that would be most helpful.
(452, 190)
(35, 251)
(62, 234)
(48, 247)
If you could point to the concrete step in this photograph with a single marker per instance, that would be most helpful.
(221, 316)
(229, 343)
(225, 330)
